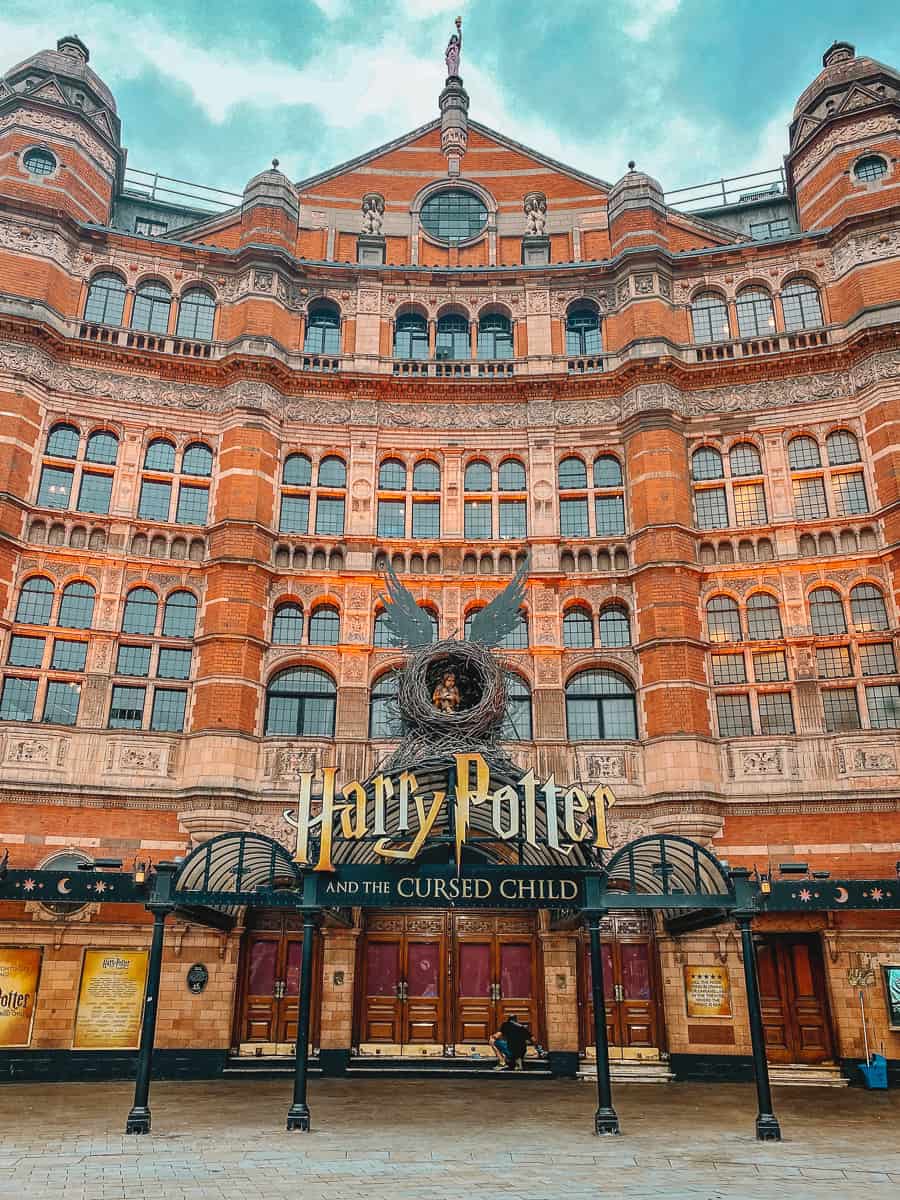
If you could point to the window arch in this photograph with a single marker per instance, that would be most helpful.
(572, 473)
(332, 472)
(709, 317)
(826, 611)
(763, 617)
(615, 628)
(297, 471)
(62, 441)
(180, 615)
(803, 453)
(196, 315)
(102, 447)
(159, 456)
(755, 313)
(35, 601)
(76, 608)
(426, 476)
(392, 475)
(478, 476)
(300, 701)
(706, 463)
(287, 624)
(452, 339)
(801, 305)
(511, 476)
(583, 335)
(381, 631)
(517, 723)
(105, 304)
(197, 459)
(495, 336)
(723, 620)
(607, 472)
(578, 628)
(867, 608)
(323, 329)
(152, 305)
(517, 638)
(384, 716)
(325, 626)
(139, 613)
(842, 448)
(743, 459)
(411, 336)
(600, 706)
(870, 168)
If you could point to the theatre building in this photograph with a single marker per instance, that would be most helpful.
(223, 415)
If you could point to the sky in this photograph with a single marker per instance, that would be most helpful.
(691, 89)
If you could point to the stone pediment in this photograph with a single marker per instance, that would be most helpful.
(804, 130)
(50, 90)
(858, 97)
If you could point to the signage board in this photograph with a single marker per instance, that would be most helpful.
(110, 1000)
(20, 971)
(443, 887)
(707, 991)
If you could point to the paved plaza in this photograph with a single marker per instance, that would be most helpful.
(507, 1137)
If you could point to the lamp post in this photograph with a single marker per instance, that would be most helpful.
(606, 1120)
(298, 1115)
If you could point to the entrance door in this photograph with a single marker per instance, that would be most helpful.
(270, 991)
(495, 978)
(794, 1002)
(403, 1000)
(629, 989)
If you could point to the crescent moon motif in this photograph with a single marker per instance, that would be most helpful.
(63, 886)
(841, 895)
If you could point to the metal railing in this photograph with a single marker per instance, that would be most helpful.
(739, 189)
(179, 192)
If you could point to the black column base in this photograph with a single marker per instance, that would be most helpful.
(138, 1120)
(298, 1118)
(606, 1121)
(563, 1063)
(767, 1128)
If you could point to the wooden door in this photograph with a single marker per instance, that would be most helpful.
(423, 991)
(475, 989)
(270, 986)
(630, 988)
(403, 994)
(495, 976)
(382, 975)
(260, 1016)
(515, 981)
(793, 998)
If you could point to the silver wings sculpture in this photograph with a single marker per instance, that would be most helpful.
(409, 626)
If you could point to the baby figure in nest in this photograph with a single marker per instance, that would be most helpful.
(445, 696)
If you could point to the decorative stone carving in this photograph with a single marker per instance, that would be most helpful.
(858, 131)
(535, 205)
(288, 762)
(372, 213)
(622, 830)
(263, 281)
(762, 762)
(141, 760)
(28, 750)
(865, 247)
(606, 766)
(72, 130)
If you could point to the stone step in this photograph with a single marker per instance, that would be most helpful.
(805, 1075)
(439, 1065)
(630, 1071)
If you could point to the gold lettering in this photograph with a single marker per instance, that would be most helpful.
(549, 790)
(304, 818)
(404, 889)
(505, 795)
(384, 791)
(355, 795)
(602, 799)
(327, 820)
(426, 821)
(576, 804)
(466, 796)
(505, 885)
(408, 785)
(529, 785)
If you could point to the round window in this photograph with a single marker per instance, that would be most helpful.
(39, 162)
(870, 168)
(454, 215)
(68, 860)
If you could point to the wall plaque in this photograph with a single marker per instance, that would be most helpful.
(20, 970)
(110, 1000)
(707, 991)
(197, 978)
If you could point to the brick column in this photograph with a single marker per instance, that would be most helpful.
(338, 976)
(560, 953)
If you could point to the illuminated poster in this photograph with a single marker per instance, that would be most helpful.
(110, 1000)
(707, 991)
(20, 970)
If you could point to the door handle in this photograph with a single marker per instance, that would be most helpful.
(279, 989)
(402, 990)
(619, 992)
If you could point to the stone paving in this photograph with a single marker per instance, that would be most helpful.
(501, 1138)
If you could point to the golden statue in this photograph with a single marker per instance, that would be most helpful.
(446, 695)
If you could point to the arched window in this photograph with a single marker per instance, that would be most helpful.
(763, 617)
(826, 611)
(572, 473)
(803, 454)
(495, 339)
(324, 626)
(384, 716)
(723, 620)
(35, 601)
(743, 458)
(332, 472)
(196, 314)
(287, 624)
(709, 316)
(516, 725)
(197, 460)
(392, 475)
(470, 617)
(583, 331)
(301, 702)
(755, 314)
(152, 302)
(180, 615)
(76, 608)
(870, 168)
(160, 456)
(62, 441)
(411, 336)
(432, 620)
(102, 447)
(801, 305)
(452, 340)
(706, 463)
(867, 608)
(297, 471)
(578, 629)
(39, 161)
(139, 614)
(105, 302)
(615, 629)
(517, 638)
(381, 633)
(511, 476)
(426, 476)
(842, 448)
(607, 472)
(478, 477)
(323, 329)
(600, 706)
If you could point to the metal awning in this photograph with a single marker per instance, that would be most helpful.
(233, 870)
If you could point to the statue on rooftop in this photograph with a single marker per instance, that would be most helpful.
(454, 49)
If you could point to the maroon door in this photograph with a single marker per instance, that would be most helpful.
(629, 988)
(403, 990)
(793, 998)
(271, 987)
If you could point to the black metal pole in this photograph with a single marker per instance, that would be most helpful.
(605, 1119)
(298, 1114)
(767, 1127)
(139, 1118)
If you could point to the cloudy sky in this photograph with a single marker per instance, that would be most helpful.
(691, 89)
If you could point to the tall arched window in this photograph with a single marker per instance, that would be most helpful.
(323, 329)
(709, 317)
(426, 476)
(578, 628)
(706, 463)
(600, 706)
(583, 331)
(517, 638)
(478, 477)
(453, 337)
(35, 601)
(62, 441)
(710, 503)
(301, 702)
(755, 314)
(743, 458)
(723, 620)
(287, 624)
(152, 304)
(516, 726)
(392, 475)
(102, 447)
(615, 628)
(826, 611)
(381, 633)
(105, 302)
(180, 615)
(197, 460)
(297, 471)
(139, 614)
(196, 315)
(511, 476)
(384, 716)
(868, 609)
(160, 456)
(76, 608)
(294, 515)
(842, 447)
(330, 508)
(411, 336)
(325, 626)
(332, 472)
(572, 474)
(607, 472)
(801, 305)
(495, 338)
(763, 617)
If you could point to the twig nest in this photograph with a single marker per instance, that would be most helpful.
(478, 676)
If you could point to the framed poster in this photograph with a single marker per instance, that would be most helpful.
(707, 991)
(891, 976)
(20, 972)
(110, 1000)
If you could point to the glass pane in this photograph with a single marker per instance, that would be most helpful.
(263, 959)
(383, 968)
(475, 969)
(292, 968)
(515, 969)
(635, 971)
(606, 952)
(422, 971)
